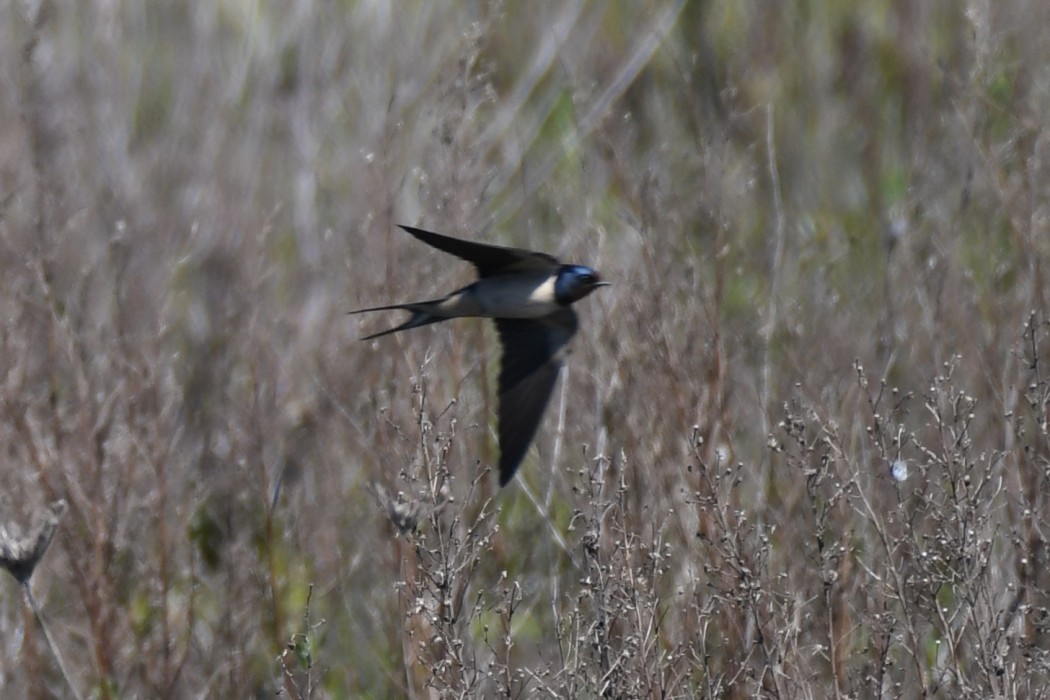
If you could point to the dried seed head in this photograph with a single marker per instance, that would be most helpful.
(20, 555)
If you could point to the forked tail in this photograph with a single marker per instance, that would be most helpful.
(420, 316)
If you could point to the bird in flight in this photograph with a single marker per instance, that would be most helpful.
(530, 297)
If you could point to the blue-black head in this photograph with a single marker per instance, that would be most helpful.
(575, 282)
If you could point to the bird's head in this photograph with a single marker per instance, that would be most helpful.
(575, 282)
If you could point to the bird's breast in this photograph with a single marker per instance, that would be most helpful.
(517, 296)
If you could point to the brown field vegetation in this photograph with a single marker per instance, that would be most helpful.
(801, 448)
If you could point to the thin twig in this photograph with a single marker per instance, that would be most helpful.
(47, 638)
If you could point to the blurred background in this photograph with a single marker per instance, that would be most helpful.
(800, 448)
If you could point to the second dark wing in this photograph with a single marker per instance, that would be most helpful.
(533, 350)
(488, 259)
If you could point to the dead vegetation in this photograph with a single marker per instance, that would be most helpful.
(801, 448)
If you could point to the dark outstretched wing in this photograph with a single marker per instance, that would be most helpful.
(488, 259)
(532, 355)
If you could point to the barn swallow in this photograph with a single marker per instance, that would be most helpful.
(530, 297)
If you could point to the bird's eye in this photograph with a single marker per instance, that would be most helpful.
(587, 279)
